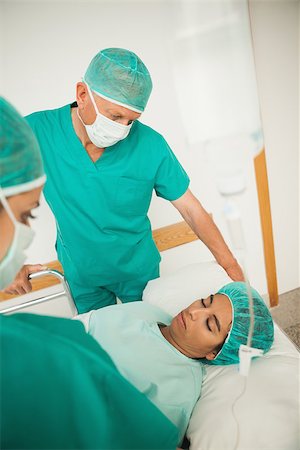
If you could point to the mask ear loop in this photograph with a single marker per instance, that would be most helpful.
(94, 104)
(92, 99)
(7, 207)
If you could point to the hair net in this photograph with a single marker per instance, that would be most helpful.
(263, 333)
(120, 76)
(21, 167)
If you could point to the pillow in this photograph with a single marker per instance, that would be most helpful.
(268, 412)
(178, 290)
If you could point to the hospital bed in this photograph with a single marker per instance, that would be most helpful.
(260, 412)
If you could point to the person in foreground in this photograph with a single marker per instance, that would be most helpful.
(163, 356)
(21, 182)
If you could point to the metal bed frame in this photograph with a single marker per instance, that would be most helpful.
(66, 292)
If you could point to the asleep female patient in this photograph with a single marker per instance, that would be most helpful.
(162, 356)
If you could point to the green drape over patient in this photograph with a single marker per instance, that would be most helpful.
(61, 390)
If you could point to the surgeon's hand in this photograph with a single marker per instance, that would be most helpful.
(21, 284)
(235, 272)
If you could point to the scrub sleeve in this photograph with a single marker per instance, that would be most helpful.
(61, 390)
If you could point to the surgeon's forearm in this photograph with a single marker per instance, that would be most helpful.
(204, 227)
(207, 231)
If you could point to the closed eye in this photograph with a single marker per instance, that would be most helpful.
(203, 304)
(207, 324)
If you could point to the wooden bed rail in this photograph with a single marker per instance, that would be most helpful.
(165, 238)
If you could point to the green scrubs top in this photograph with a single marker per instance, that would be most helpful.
(103, 231)
(61, 390)
(132, 337)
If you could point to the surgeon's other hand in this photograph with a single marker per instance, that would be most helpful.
(21, 284)
(234, 271)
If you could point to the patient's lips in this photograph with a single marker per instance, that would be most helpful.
(181, 320)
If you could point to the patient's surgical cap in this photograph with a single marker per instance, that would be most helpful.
(21, 167)
(263, 333)
(119, 75)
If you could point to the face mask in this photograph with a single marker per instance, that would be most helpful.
(104, 132)
(15, 257)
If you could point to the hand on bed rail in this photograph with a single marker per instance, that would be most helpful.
(21, 284)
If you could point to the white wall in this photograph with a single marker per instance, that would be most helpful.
(47, 48)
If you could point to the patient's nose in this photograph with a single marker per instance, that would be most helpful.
(198, 311)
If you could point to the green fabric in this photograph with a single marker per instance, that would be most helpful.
(60, 390)
(20, 158)
(103, 232)
(89, 298)
(263, 333)
(120, 75)
(130, 334)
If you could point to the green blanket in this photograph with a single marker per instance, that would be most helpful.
(61, 390)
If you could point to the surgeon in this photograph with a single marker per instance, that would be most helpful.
(102, 165)
(58, 388)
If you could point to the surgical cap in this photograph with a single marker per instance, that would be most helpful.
(263, 332)
(21, 167)
(119, 75)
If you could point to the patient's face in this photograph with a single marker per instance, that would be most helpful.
(199, 329)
